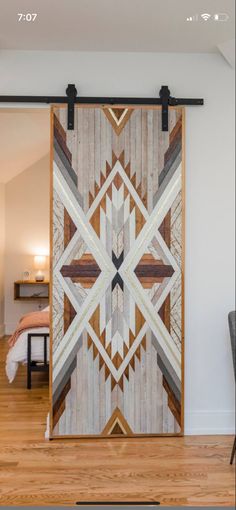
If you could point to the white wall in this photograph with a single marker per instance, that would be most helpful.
(2, 250)
(209, 393)
(27, 233)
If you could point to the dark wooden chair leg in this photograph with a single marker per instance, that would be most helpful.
(29, 363)
(233, 452)
(34, 366)
(28, 379)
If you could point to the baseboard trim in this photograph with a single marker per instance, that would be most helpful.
(2, 330)
(209, 422)
(10, 328)
(47, 431)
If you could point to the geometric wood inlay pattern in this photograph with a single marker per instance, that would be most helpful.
(117, 279)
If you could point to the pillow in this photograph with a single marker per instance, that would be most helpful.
(47, 309)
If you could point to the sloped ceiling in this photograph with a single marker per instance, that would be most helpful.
(227, 49)
(24, 139)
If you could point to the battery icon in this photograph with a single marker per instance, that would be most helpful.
(221, 16)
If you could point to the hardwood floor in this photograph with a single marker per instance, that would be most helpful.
(175, 471)
(23, 412)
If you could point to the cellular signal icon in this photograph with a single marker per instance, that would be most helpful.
(192, 18)
(205, 16)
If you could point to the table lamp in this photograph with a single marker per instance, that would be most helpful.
(39, 264)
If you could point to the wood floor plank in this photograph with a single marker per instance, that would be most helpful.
(191, 470)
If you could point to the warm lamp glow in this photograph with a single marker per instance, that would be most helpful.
(39, 264)
(39, 261)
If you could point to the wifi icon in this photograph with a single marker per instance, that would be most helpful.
(205, 16)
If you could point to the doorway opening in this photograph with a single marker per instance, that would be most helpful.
(24, 271)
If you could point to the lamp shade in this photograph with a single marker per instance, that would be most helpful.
(39, 261)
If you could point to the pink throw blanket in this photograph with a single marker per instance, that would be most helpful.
(30, 321)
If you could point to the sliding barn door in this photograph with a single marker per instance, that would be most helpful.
(117, 280)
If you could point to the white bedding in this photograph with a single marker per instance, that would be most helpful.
(18, 353)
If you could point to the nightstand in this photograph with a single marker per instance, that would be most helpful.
(31, 290)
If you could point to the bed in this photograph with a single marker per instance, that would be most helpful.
(18, 353)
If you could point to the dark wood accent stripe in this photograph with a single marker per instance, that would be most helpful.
(79, 270)
(175, 139)
(173, 403)
(118, 112)
(154, 271)
(164, 312)
(165, 229)
(59, 405)
(65, 167)
(177, 129)
(69, 313)
(60, 136)
(69, 228)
